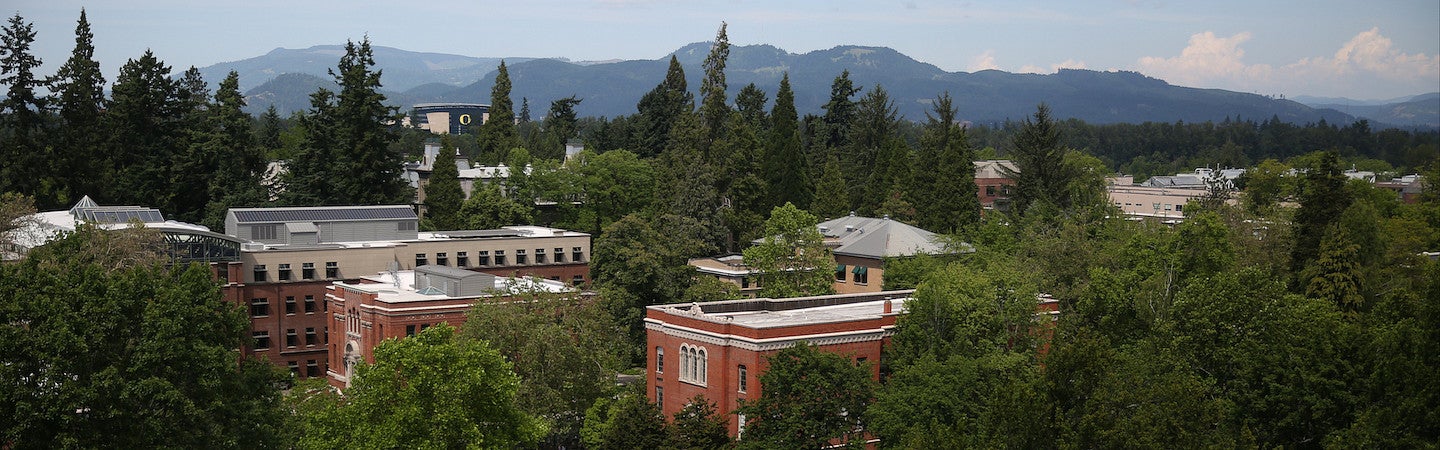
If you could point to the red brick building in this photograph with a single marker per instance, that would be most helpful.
(718, 349)
(402, 303)
(994, 188)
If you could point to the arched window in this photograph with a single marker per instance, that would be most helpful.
(704, 363)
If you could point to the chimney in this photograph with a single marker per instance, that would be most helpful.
(888, 305)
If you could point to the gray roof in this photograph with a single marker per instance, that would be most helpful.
(878, 238)
(322, 213)
(449, 272)
(1185, 181)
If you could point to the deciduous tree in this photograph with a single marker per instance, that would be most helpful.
(792, 258)
(811, 398)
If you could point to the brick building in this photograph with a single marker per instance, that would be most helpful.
(993, 187)
(402, 303)
(718, 349)
(291, 257)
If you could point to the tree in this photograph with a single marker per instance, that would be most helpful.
(430, 390)
(792, 259)
(1323, 197)
(488, 209)
(566, 349)
(1041, 175)
(810, 398)
(713, 108)
(444, 198)
(241, 161)
(786, 169)
(144, 133)
(616, 183)
(1335, 276)
(943, 189)
(21, 115)
(877, 161)
(840, 112)
(831, 197)
(107, 347)
(497, 134)
(78, 88)
(660, 108)
(750, 103)
(699, 426)
(629, 421)
(368, 171)
(640, 262)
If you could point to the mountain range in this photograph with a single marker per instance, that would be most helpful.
(286, 77)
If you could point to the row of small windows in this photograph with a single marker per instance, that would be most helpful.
(292, 338)
(312, 368)
(862, 274)
(307, 271)
(260, 307)
(483, 257)
(410, 330)
(1155, 206)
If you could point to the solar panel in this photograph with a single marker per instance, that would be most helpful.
(120, 214)
(269, 215)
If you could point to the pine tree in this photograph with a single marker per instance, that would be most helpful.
(21, 115)
(78, 88)
(239, 175)
(497, 135)
(267, 134)
(310, 179)
(750, 103)
(560, 124)
(370, 172)
(198, 153)
(943, 190)
(1323, 198)
(876, 159)
(143, 133)
(832, 199)
(443, 195)
(839, 112)
(524, 110)
(786, 169)
(660, 108)
(1042, 174)
(713, 108)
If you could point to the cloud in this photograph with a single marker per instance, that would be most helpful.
(1366, 65)
(983, 61)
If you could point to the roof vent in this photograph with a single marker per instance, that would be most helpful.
(849, 228)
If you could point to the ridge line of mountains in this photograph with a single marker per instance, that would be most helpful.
(286, 77)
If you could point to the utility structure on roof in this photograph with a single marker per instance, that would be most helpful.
(183, 242)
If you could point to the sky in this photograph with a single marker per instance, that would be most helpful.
(1364, 50)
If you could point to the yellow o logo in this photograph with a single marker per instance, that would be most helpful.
(464, 119)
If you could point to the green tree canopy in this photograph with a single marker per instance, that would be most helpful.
(792, 258)
(810, 398)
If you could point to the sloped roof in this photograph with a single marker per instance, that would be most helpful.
(322, 213)
(990, 168)
(870, 237)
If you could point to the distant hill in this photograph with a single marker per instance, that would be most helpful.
(1419, 111)
(613, 88)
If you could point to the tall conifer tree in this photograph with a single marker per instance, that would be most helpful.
(787, 170)
(713, 109)
(143, 134)
(443, 195)
(370, 171)
(238, 180)
(21, 113)
(660, 108)
(78, 88)
(497, 135)
(943, 186)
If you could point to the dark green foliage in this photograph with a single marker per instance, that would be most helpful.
(105, 347)
(616, 183)
(22, 116)
(488, 209)
(810, 398)
(497, 134)
(660, 108)
(145, 136)
(750, 103)
(877, 161)
(1322, 197)
(241, 161)
(832, 200)
(943, 185)
(640, 262)
(78, 89)
(840, 113)
(629, 421)
(699, 426)
(786, 168)
(1042, 175)
(431, 390)
(713, 108)
(443, 196)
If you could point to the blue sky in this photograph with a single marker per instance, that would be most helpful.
(1362, 50)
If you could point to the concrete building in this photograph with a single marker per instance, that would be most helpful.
(294, 255)
(1152, 202)
(401, 303)
(184, 242)
(718, 349)
(730, 269)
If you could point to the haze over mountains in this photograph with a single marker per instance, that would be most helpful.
(286, 77)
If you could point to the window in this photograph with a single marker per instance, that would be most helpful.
(659, 360)
(259, 307)
(990, 191)
(499, 257)
(290, 305)
(262, 232)
(312, 368)
(1167, 206)
(325, 333)
(578, 280)
(259, 273)
(442, 259)
(862, 274)
(462, 259)
(262, 340)
(559, 255)
(484, 256)
(744, 282)
(1178, 207)
(659, 395)
(294, 368)
(840, 272)
(284, 272)
(740, 425)
(520, 257)
(309, 304)
(332, 269)
(405, 225)
(291, 339)
(307, 271)
(743, 381)
(421, 260)
(578, 255)
(409, 330)
(1155, 206)
(693, 365)
(310, 337)
(539, 256)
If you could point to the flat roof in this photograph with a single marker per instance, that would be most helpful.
(786, 312)
(399, 287)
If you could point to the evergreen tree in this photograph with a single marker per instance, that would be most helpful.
(786, 169)
(943, 188)
(745, 191)
(686, 182)
(524, 110)
(369, 171)
(1322, 198)
(1041, 175)
(21, 116)
(660, 108)
(142, 122)
(750, 103)
(78, 88)
(877, 160)
(1335, 276)
(560, 124)
(198, 152)
(310, 179)
(713, 108)
(238, 180)
(497, 134)
(267, 134)
(831, 197)
(443, 195)
(840, 112)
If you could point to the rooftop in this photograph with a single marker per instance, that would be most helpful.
(880, 238)
(771, 313)
(322, 213)
(399, 286)
(991, 168)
